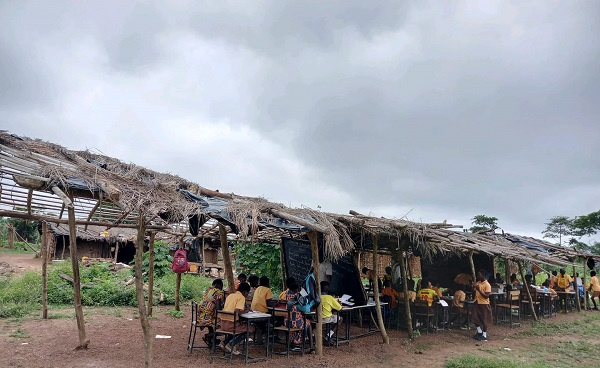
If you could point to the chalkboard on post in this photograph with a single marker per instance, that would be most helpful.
(345, 278)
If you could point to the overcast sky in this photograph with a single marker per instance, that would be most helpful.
(434, 110)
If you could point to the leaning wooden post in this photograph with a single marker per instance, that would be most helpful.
(83, 341)
(116, 251)
(139, 293)
(313, 237)
(150, 272)
(473, 274)
(531, 301)
(384, 336)
(44, 251)
(406, 297)
(577, 302)
(226, 258)
(203, 260)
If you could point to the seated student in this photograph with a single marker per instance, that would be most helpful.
(260, 302)
(412, 295)
(436, 288)
(594, 288)
(514, 281)
(211, 299)
(427, 293)
(458, 305)
(253, 281)
(497, 279)
(388, 291)
(554, 280)
(388, 274)
(529, 279)
(548, 285)
(241, 278)
(329, 304)
(296, 319)
(235, 303)
(372, 277)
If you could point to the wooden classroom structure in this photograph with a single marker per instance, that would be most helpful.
(48, 183)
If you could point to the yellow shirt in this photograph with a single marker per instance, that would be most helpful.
(459, 299)
(594, 284)
(427, 294)
(553, 280)
(564, 282)
(438, 290)
(234, 301)
(282, 296)
(329, 303)
(485, 287)
(259, 301)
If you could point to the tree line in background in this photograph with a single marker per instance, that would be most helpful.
(557, 227)
(26, 229)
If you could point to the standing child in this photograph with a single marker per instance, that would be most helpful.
(594, 288)
(482, 311)
(329, 304)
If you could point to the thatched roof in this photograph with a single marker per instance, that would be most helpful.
(36, 177)
(110, 236)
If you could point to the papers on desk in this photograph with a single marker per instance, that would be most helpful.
(253, 314)
(345, 300)
(443, 303)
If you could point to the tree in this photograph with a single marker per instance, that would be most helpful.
(587, 224)
(557, 227)
(594, 248)
(483, 223)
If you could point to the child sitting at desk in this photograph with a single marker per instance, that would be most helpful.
(253, 281)
(262, 296)
(329, 303)
(212, 299)
(411, 292)
(290, 281)
(296, 319)
(427, 293)
(235, 302)
(241, 278)
(388, 291)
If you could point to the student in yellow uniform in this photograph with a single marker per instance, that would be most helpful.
(260, 302)
(564, 281)
(594, 288)
(427, 293)
(482, 311)
(329, 304)
(235, 303)
(253, 281)
(241, 278)
(554, 280)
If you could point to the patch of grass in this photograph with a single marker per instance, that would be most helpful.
(16, 310)
(587, 326)
(474, 361)
(176, 313)
(19, 334)
(61, 315)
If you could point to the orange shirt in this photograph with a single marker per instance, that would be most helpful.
(234, 301)
(393, 294)
(594, 284)
(564, 282)
(485, 287)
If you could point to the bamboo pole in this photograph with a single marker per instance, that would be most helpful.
(577, 301)
(139, 293)
(313, 237)
(151, 272)
(83, 340)
(406, 297)
(384, 336)
(226, 258)
(44, 251)
(585, 292)
(531, 301)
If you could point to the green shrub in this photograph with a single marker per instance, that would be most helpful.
(261, 260)
(162, 261)
(192, 287)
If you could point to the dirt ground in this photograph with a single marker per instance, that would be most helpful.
(116, 341)
(18, 262)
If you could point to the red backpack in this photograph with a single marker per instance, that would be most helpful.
(180, 263)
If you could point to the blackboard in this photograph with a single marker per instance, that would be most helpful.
(297, 255)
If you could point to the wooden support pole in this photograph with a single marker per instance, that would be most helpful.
(83, 340)
(29, 197)
(300, 221)
(472, 266)
(406, 297)
(313, 237)
(177, 291)
(226, 258)
(151, 272)
(139, 293)
(44, 253)
(384, 336)
(585, 292)
(203, 260)
(531, 301)
(11, 236)
(116, 251)
(577, 301)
